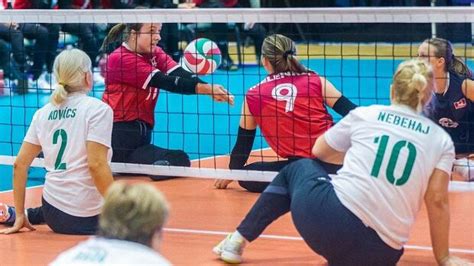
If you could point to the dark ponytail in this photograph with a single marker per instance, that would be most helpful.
(117, 34)
(281, 53)
(444, 49)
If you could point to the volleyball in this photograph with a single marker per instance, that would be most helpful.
(202, 56)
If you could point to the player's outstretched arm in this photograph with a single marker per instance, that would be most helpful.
(243, 145)
(26, 155)
(437, 204)
(216, 91)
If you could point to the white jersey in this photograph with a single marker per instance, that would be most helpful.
(62, 133)
(391, 154)
(103, 251)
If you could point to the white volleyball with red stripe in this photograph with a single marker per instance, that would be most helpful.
(202, 56)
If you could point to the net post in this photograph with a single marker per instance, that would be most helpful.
(433, 25)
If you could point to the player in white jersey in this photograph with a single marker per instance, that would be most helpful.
(392, 157)
(74, 133)
(130, 228)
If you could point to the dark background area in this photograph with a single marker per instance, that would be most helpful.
(370, 32)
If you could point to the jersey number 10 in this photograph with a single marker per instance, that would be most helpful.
(392, 163)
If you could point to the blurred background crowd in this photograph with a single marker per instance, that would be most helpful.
(27, 50)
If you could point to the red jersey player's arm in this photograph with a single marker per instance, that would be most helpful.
(334, 98)
(247, 121)
(246, 136)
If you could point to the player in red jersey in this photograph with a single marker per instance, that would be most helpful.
(135, 72)
(289, 107)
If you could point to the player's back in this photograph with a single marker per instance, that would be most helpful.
(290, 111)
(393, 152)
(62, 132)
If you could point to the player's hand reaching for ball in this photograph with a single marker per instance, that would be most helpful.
(217, 92)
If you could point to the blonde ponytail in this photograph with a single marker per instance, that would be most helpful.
(59, 94)
(69, 69)
(412, 84)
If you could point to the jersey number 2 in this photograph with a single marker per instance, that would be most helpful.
(392, 163)
(60, 133)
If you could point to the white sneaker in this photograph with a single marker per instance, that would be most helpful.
(465, 168)
(230, 251)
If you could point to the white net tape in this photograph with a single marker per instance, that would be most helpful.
(241, 15)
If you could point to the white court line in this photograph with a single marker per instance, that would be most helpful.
(293, 238)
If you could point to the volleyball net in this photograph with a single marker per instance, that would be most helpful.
(357, 49)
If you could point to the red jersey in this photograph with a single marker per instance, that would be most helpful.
(290, 111)
(126, 83)
(226, 3)
(22, 4)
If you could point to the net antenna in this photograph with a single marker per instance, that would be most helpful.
(433, 25)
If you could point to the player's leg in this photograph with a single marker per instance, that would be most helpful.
(256, 186)
(275, 201)
(151, 154)
(63, 223)
(126, 137)
(8, 215)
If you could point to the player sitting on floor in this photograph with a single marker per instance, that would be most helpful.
(363, 215)
(74, 133)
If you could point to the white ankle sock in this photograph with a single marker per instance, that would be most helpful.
(236, 236)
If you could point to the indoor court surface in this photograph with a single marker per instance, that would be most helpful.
(201, 216)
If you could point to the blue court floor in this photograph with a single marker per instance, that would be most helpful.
(200, 126)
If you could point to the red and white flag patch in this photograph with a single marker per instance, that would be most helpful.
(460, 104)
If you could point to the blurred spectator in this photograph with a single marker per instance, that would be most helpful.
(220, 30)
(89, 33)
(46, 44)
(16, 67)
(170, 34)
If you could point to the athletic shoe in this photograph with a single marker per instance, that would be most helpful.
(230, 251)
(161, 177)
(7, 214)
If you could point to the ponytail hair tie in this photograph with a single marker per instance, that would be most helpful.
(62, 84)
(287, 53)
